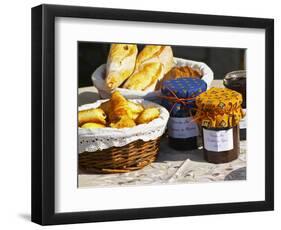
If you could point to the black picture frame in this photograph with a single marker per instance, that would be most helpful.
(43, 110)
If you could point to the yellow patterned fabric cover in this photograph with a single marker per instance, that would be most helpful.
(219, 108)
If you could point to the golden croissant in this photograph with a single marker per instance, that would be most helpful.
(135, 108)
(120, 64)
(117, 112)
(119, 107)
(124, 122)
(92, 115)
(106, 106)
(91, 125)
(148, 115)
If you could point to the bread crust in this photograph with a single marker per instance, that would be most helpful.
(120, 64)
(145, 76)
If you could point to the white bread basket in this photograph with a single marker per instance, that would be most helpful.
(98, 78)
(92, 140)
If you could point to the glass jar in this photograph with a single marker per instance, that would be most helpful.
(178, 97)
(183, 131)
(221, 145)
(219, 112)
(236, 80)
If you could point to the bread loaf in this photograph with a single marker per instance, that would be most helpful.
(152, 53)
(179, 72)
(182, 72)
(120, 64)
(145, 76)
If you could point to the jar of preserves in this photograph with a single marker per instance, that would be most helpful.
(219, 112)
(178, 96)
(236, 80)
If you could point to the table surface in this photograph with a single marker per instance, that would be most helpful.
(171, 166)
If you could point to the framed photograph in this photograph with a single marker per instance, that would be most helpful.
(143, 114)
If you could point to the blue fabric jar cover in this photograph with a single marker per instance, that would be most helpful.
(179, 94)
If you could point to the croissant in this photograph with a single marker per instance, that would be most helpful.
(119, 107)
(92, 115)
(120, 64)
(124, 122)
(106, 106)
(135, 107)
(145, 77)
(92, 125)
(148, 115)
(152, 53)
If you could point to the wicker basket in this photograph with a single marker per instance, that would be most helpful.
(130, 157)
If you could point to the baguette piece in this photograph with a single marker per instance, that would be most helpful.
(145, 77)
(120, 64)
(152, 53)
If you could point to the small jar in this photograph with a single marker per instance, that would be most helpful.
(236, 80)
(179, 98)
(219, 112)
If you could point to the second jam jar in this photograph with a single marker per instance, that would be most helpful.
(236, 80)
(219, 112)
(178, 96)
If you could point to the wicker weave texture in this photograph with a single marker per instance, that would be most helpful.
(127, 158)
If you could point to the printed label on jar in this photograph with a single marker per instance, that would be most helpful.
(218, 141)
(182, 127)
(243, 122)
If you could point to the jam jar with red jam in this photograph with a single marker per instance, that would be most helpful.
(178, 96)
(236, 80)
